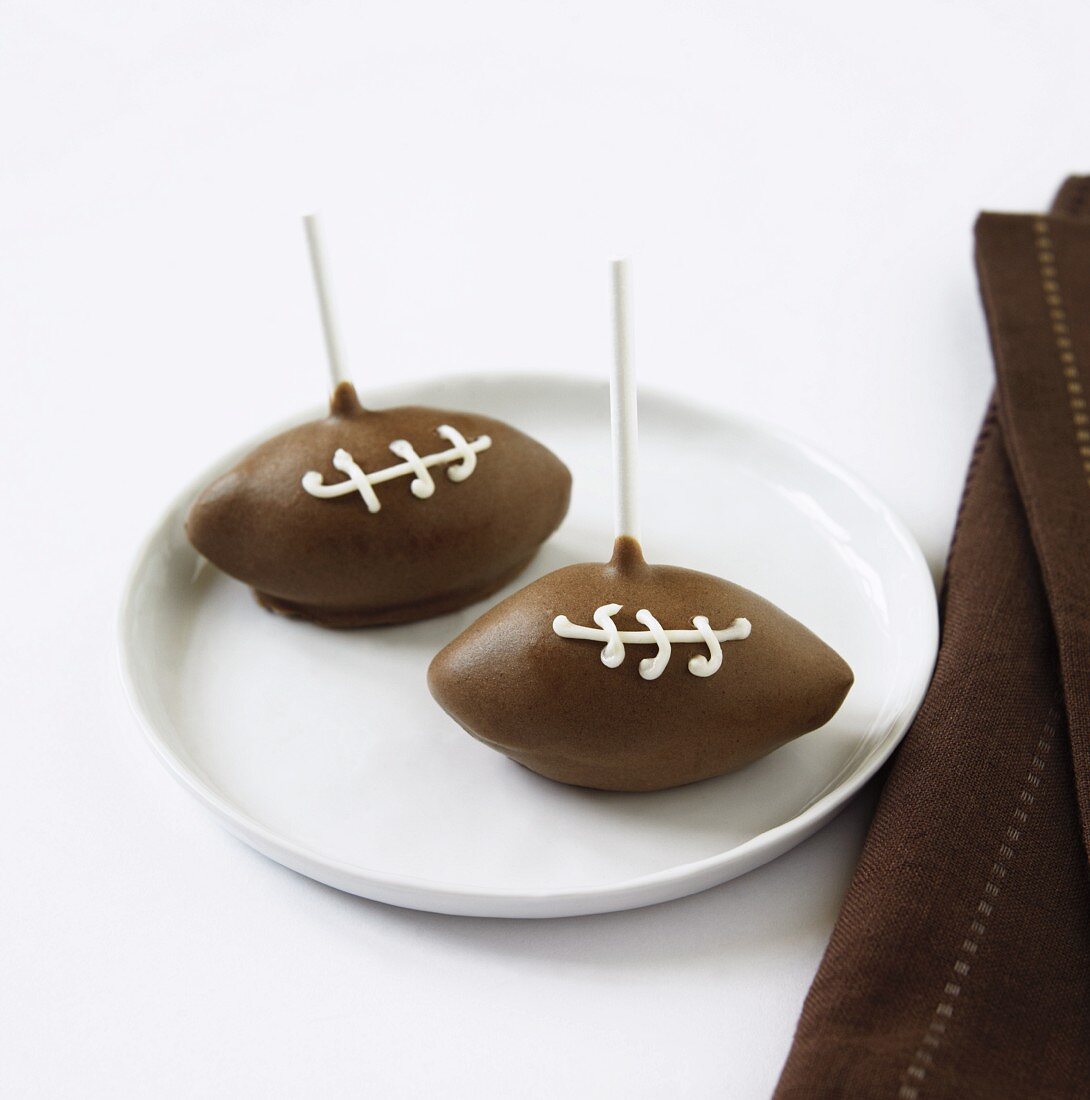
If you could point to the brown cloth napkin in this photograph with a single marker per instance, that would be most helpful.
(960, 964)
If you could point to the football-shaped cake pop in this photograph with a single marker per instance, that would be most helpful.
(368, 517)
(635, 677)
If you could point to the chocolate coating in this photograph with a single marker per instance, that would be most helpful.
(549, 702)
(335, 563)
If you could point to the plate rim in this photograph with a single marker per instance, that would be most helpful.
(439, 896)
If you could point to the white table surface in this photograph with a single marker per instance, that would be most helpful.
(796, 183)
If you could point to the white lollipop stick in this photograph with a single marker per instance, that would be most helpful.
(333, 347)
(622, 408)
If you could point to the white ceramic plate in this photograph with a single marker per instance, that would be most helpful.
(324, 750)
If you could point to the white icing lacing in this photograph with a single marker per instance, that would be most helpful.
(462, 454)
(651, 667)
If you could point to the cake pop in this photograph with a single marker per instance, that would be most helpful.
(380, 516)
(546, 676)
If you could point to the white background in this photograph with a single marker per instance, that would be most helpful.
(797, 184)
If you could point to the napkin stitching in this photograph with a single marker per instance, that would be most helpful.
(1046, 259)
(923, 1059)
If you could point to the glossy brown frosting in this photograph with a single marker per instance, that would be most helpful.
(334, 562)
(549, 702)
